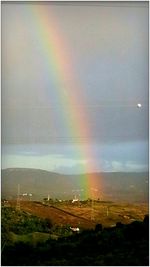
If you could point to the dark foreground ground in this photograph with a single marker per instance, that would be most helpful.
(28, 240)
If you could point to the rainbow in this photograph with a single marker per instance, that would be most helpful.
(69, 93)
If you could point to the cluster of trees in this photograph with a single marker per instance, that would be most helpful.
(22, 223)
(120, 245)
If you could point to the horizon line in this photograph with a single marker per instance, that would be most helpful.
(85, 173)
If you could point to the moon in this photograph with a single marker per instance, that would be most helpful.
(139, 105)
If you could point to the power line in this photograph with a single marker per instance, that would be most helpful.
(82, 3)
(111, 104)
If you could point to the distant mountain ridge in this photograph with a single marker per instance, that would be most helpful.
(111, 185)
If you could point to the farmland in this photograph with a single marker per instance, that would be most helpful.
(44, 233)
(85, 214)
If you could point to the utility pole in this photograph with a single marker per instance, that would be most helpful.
(77, 193)
(30, 196)
(18, 199)
(92, 210)
(92, 207)
(107, 211)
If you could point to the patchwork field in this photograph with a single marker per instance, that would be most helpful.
(86, 215)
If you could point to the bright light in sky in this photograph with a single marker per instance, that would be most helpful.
(139, 105)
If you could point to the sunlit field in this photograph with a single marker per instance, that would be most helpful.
(85, 214)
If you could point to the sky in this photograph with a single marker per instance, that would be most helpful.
(72, 76)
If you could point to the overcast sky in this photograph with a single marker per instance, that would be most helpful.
(107, 47)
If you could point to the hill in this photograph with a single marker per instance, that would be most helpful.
(111, 186)
(28, 240)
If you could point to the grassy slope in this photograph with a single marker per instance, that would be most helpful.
(32, 238)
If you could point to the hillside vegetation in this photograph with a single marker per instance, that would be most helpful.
(28, 240)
